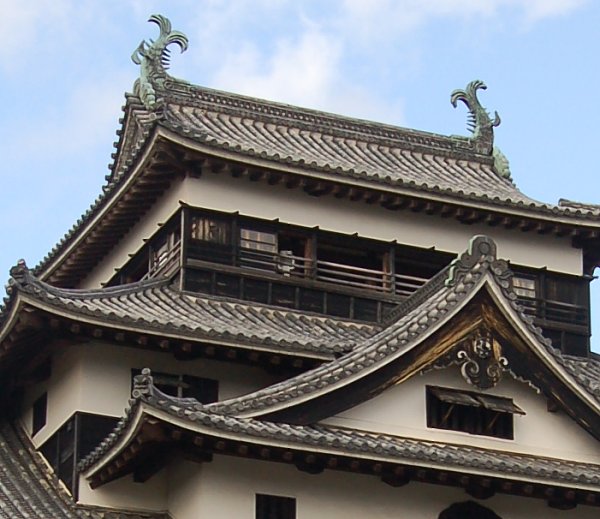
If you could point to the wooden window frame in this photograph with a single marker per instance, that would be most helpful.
(470, 412)
(269, 506)
(166, 382)
(63, 450)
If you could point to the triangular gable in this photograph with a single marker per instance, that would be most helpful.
(441, 405)
(470, 305)
(157, 425)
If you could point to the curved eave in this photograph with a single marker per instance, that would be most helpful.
(424, 459)
(26, 303)
(544, 354)
(464, 207)
(409, 190)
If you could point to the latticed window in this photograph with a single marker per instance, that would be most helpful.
(524, 287)
(208, 229)
(258, 240)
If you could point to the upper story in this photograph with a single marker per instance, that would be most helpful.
(254, 200)
(243, 249)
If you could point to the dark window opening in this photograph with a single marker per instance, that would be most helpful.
(471, 412)
(275, 507)
(210, 239)
(75, 439)
(560, 305)
(356, 267)
(40, 411)
(205, 390)
(414, 267)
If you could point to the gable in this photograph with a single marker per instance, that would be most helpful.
(402, 410)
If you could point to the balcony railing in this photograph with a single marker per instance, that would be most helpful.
(348, 276)
(166, 263)
(556, 311)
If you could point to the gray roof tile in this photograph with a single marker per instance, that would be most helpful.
(409, 322)
(349, 442)
(29, 489)
(157, 306)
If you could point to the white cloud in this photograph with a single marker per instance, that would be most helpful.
(299, 70)
(377, 19)
(536, 10)
(20, 24)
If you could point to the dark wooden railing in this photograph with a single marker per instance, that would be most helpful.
(348, 276)
(556, 311)
(165, 264)
(344, 276)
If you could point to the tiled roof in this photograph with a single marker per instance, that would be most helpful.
(346, 147)
(579, 206)
(27, 486)
(338, 147)
(29, 489)
(413, 319)
(156, 306)
(443, 296)
(342, 441)
(585, 370)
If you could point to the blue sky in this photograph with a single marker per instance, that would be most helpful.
(65, 65)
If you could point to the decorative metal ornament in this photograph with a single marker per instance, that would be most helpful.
(481, 361)
(153, 58)
(479, 122)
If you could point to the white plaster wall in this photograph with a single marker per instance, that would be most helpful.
(124, 493)
(63, 394)
(401, 411)
(166, 206)
(223, 193)
(95, 377)
(220, 192)
(226, 489)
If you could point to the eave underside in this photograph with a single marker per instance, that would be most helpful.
(166, 156)
(157, 436)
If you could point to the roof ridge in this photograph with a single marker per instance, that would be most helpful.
(223, 101)
(463, 276)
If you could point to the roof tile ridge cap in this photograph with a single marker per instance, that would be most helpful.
(143, 390)
(96, 293)
(574, 205)
(295, 112)
(482, 252)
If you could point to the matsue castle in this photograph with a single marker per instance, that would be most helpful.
(272, 312)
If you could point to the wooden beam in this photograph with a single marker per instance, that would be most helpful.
(150, 464)
(396, 477)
